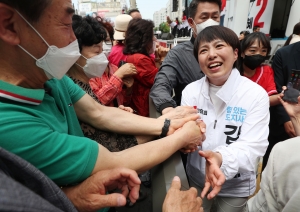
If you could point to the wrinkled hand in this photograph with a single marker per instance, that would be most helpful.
(126, 70)
(192, 147)
(179, 112)
(192, 134)
(178, 123)
(166, 110)
(214, 177)
(91, 194)
(127, 109)
(181, 201)
(289, 129)
(292, 109)
(128, 81)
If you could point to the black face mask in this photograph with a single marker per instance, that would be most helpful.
(254, 61)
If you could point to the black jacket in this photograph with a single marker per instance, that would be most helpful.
(179, 68)
(285, 59)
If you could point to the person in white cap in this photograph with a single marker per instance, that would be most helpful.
(116, 55)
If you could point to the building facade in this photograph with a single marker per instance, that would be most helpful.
(160, 17)
(102, 8)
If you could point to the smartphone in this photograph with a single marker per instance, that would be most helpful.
(294, 80)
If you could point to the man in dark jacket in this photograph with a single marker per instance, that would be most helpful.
(180, 66)
(281, 127)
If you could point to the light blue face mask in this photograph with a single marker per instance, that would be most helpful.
(57, 61)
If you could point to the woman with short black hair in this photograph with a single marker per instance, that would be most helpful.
(236, 113)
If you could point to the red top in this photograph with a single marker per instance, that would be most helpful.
(116, 54)
(109, 87)
(143, 81)
(264, 76)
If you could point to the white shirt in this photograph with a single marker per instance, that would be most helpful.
(239, 133)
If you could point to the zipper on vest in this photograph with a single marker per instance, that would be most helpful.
(215, 124)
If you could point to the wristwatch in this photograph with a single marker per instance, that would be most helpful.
(165, 128)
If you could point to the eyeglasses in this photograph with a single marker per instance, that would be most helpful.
(108, 42)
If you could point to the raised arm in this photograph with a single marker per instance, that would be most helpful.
(165, 80)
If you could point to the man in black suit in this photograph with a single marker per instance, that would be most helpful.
(281, 128)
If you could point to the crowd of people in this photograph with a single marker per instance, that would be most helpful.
(74, 108)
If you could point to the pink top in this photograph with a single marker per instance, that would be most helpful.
(116, 54)
(109, 87)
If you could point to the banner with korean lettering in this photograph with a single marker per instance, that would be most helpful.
(260, 14)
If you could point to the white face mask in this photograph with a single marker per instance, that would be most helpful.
(107, 49)
(95, 66)
(203, 25)
(57, 61)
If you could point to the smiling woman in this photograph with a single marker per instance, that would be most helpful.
(217, 52)
(236, 113)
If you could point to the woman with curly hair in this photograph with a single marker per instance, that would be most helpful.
(140, 43)
(90, 35)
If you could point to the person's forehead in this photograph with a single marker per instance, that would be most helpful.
(60, 7)
(135, 14)
(211, 43)
(207, 7)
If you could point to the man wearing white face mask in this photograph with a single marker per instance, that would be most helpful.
(180, 66)
(39, 117)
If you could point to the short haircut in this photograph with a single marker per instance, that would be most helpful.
(31, 9)
(255, 28)
(260, 37)
(133, 10)
(194, 5)
(139, 37)
(88, 31)
(212, 33)
(245, 32)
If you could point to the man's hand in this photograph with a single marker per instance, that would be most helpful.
(91, 194)
(214, 177)
(181, 201)
(289, 129)
(191, 147)
(293, 110)
(179, 112)
(178, 123)
(192, 133)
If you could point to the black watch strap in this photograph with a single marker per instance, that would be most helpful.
(165, 128)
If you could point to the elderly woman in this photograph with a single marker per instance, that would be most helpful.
(140, 43)
(236, 113)
(90, 35)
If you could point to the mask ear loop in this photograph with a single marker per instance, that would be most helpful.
(84, 58)
(32, 28)
(195, 26)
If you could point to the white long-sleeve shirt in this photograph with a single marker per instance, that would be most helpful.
(239, 132)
